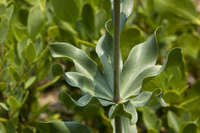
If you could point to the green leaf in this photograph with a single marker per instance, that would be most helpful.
(14, 74)
(30, 52)
(29, 82)
(61, 127)
(88, 20)
(13, 103)
(35, 21)
(87, 67)
(172, 97)
(139, 65)
(173, 121)
(68, 101)
(192, 99)
(76, 127)
(128, 109)
(141, 100)
(126, 10)
(189, 127)
(100, 19)
(81, 81)
(67, 10)
(3, 30)
(57, 70)
(150, 119)
(3, 105)
(184, 9)
(127, 127)
(52, 127)
(104, 50)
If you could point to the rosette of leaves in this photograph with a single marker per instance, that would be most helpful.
(94, 83)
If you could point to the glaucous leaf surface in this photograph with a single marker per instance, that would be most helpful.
(140, 64)
(90, 72)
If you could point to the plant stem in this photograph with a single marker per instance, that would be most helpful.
(118, 127)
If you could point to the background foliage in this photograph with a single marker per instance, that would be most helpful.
(30, 80)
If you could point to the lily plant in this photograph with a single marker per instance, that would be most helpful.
(119, 85)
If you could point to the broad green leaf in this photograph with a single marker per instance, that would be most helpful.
(104, 50)
(81, 81)
(141, 99)
(87, 67)
(52, 127)
(100, 19)
(29, 82)
(9, 12)
(125, 12)
(13, 103)
(30, 52)
(82, 62)
(76, 127)
(57, 70)
(120, 110)
(139, 65)
(128, 109)
(36, 20)
(62, 127)
(3, 30)
(88, 20)
(184, 9)
(131, 108)
(2, 128)
(151, 121)
(127, 127)
(14, 74)
(189, 127)
(68, 101)
(67, 10)
(172, 97)
(173, 121)
(3, 105)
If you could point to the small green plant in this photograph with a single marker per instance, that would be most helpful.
(119, 84)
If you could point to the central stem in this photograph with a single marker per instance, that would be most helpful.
(118, 127)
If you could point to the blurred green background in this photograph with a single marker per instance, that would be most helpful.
(31, 80)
